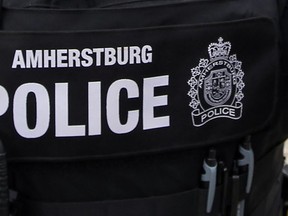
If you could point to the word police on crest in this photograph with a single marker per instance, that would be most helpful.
(216, 85)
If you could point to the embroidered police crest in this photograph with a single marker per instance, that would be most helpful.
(216, 85)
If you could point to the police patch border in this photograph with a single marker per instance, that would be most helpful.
(227, 108)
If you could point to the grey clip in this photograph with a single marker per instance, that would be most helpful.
(210, 176)
(248, 159)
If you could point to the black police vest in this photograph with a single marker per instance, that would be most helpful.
(156, 108)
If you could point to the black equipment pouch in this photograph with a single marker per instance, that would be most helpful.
(135, 89)
(98, 93)
(120, 104)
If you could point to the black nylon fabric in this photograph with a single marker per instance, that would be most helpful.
(178, 203)
(150, 174)
(125, 18)
(175, 204)
(50, 4)
(178, 131)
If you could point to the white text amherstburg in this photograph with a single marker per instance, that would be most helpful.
(63, 58)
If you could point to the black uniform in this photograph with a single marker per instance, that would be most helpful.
(147, 108)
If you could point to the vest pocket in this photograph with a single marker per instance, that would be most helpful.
(104, 93)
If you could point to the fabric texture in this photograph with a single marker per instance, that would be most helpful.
(169, 52)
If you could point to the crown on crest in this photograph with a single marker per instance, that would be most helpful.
(220, 49)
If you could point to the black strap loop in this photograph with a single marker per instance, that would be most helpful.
(4, 197)
(187, 203)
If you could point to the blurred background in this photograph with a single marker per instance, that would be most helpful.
(286, 151)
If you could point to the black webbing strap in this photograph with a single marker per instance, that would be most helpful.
(184, 204)
(267, 171)
(4, 198)
(68, 4)
(187, 203)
